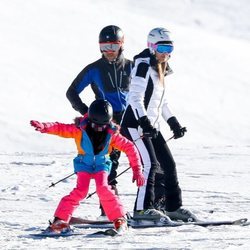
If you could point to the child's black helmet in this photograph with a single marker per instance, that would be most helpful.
(100, 112)
(111, 33)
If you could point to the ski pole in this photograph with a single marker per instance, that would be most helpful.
(183, 129)
(138, 138)
(170, 138)
(53, 184)
(110, 181)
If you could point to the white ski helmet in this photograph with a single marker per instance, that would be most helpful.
(156, 36)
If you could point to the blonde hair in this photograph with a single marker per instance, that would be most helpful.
(161, 70)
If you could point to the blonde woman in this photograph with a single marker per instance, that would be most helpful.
(147, 105)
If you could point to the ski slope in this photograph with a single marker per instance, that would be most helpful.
(45, 44)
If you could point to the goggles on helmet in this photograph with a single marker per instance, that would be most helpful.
(98, 127)
(111, 46)
(164, 48)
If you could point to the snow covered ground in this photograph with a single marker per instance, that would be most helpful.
(45, 44)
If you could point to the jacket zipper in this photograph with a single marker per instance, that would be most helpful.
(111, 80)
(158, 108)
(115, 84)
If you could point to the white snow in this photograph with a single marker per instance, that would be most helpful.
(45, 44)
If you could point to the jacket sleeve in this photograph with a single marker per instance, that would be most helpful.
(77, 86)
(123, 144)
(166, 112)
(61, 129)
(139, 82)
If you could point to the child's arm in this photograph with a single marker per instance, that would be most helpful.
(56, 128)
(123, 144)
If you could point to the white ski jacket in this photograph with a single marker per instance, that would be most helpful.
(147, 96)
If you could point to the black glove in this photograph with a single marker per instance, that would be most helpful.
(78, 121)
(147, 129)
(176, 127)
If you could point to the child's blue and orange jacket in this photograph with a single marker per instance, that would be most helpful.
(86, 160)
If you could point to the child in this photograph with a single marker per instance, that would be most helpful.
(95, 136)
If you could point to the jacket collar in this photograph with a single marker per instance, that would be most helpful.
(118, 60)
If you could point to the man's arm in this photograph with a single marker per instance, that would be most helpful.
(78, 85)
(76, 101)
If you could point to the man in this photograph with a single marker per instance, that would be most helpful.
(109, 80)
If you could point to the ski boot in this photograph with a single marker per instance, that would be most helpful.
(58, 227)
(149, 214)
(182, 214)
(121, 225)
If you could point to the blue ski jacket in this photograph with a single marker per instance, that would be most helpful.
(108, 80)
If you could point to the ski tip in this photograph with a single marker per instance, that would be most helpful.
(243, 222)
(111, 232)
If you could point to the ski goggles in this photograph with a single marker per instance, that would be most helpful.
(113, 46)
(164, 48)
(98, 127)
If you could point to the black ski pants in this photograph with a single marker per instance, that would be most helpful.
(115, 154)
(166, 179)
(159, 170)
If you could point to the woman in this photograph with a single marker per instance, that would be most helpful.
(147, 104)
(95, 136)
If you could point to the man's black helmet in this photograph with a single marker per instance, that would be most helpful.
(111, 33)
(100, 112)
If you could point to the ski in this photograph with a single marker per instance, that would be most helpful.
(147, 223)
(88, 223)
(108, 232)
(78, 220)
(45, 234)
(85, 223)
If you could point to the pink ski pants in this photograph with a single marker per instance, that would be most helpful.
(109, 201)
